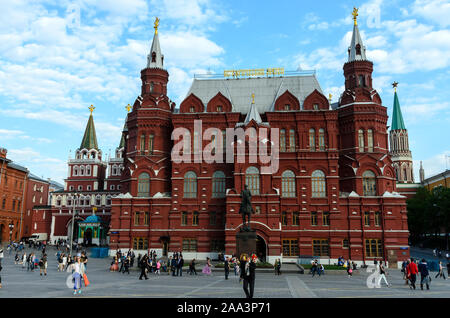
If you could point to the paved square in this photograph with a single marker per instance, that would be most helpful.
(17, 282)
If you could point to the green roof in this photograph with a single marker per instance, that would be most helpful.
(90, 138)
(397, 118)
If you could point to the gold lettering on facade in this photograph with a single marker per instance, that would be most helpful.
(254, 72)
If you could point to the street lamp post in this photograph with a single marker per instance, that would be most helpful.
(11, 227)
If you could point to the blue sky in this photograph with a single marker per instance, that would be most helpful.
(55, 63)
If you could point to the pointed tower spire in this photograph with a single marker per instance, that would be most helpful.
(155, 59)
(421, 173)
(356, 50)
(253, 113)
(397, 118)
(90, 138)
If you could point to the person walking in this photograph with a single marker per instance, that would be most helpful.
(43, 265)
(78, 270)
(126, 265)
(441, 271)
(169, 265)
(144, 265)
(248, 266)
(173, 265)
(382, 270)
(1, 255)
(424, 274)
(278, 267)
(158, 267)
(412, 272)
(180, 266)
(227, 267)
(207, 268)
(192, 270)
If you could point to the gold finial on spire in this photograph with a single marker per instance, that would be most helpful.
(156, 25)
(394, 85)
(128, 107)
(330, 96)
(355, 14)
(91, 108)
(253, 98)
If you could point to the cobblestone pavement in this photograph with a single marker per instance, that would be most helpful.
(17, 282)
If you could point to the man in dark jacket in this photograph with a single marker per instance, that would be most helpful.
(248, 267)
(144, 264)
(180, 266)
(227, 267)
(424, 274)
(174, 264)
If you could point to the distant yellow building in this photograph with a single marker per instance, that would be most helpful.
(441, 179)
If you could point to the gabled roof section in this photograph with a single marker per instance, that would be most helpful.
(90, 138)
(252, 115)
(397, 118)
(266, 90)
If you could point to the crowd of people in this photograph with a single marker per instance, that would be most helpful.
(412, 267)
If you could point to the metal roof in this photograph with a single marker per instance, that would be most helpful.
(266, 90)
(17, 167)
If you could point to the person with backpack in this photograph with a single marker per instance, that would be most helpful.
(144, 264)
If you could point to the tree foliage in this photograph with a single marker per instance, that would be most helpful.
(429, 213)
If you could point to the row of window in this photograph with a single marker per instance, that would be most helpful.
(295, 217)
(14, 207)
(188, 244)
(81, 170)
(194, 218)
(83, 201)
(321, 247)
(17, 185)
(89, 187)
(147, 144)
(361, 140)
(86, 155)
(252, 180)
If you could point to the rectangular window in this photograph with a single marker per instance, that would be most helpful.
(287, 107)
(282, 140)
(292, 140)
(290, 247)
(345, 243)
(312, 140)
(321, 139)
(367, 218)
(321, 247)
(150, 144)
(195, 218)
(326, 218)
(217, 246)
(377, 218)
(136, 218)
(189, 245)
(143, 145)
(283, 218)
(361, 140)
(146, 218)
(370, 140)
(140, 243)
(192, 109)
(295, 218)
(374, 248)
(212, 218)
(257, 209)
(219, 109)
(316, 106)
(313, 218)
(184, 218)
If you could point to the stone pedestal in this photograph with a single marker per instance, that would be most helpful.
(245, 243)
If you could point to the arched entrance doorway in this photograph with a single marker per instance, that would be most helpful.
(261, 248)
(88, 237)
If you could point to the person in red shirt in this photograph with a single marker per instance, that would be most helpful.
(412, 272)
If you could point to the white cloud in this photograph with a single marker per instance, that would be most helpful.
(436, 11)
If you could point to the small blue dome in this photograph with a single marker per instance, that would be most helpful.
(93, 219)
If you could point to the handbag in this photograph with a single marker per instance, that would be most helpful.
(86, 280)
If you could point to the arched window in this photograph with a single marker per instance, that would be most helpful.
(108, 200)
(370, 140)
(82, 171)
(151, 137)
(143, 145)
(292, 140)
(58, 201)
(218, 184)
(321, 139)
(87, 201)
(88, 170)
(190, 185)
(282, 140)
(114, 170)
(361, 140)
(318, 184)
(98, 200)
(288, 184)
(312, 140)
(369, 183)
(252, 180)
(75, 170)
(144, 185)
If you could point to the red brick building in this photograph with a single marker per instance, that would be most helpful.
(37, 194)
(333, 194)
(13, 185)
